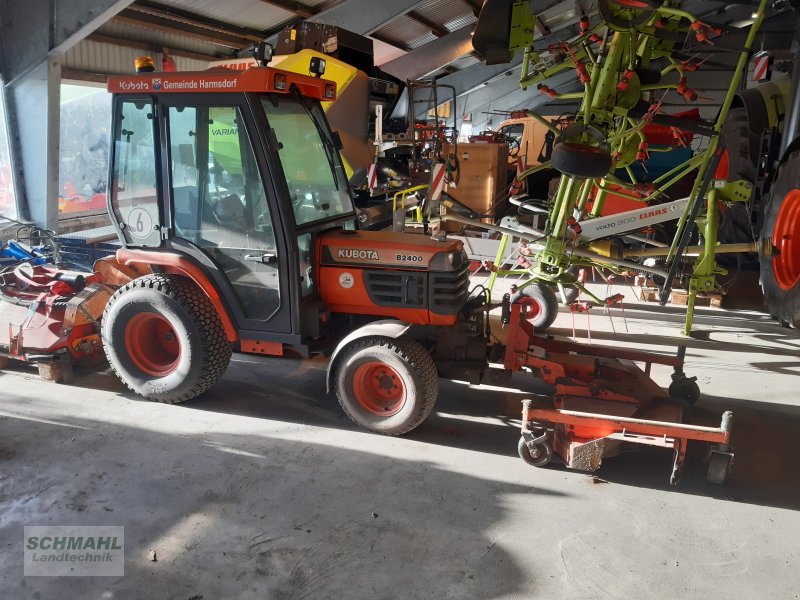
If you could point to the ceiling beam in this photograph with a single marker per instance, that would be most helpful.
(188, 18)
(131, 17)
(363, 17)
(78, 75)
(301, 10)
(436, 29)
(149, 46)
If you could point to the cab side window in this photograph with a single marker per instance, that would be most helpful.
(134, 180)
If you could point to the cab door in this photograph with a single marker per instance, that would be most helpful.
(221, 212)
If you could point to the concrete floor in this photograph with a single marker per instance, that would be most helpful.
(262, 489)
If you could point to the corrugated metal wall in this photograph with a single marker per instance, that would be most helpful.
(95, 57)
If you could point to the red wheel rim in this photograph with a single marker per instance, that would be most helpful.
(152, 345)
(786, 238)
(529, 308)
(379, 388)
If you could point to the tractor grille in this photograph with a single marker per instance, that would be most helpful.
(396, 288)
(449, 290)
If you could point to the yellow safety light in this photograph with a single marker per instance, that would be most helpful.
(144, 64)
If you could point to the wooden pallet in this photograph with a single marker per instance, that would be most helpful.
(680, 297)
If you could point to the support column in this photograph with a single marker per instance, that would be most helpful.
(33, 35)
(34, 118)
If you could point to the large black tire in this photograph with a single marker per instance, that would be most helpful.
(782, 298)
(735, 137)
(164, 338)
(581, 160)
(742, 147)
(386, 385)
(546, 301)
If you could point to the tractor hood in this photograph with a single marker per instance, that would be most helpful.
(388, 249)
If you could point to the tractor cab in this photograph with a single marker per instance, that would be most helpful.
(235, 171)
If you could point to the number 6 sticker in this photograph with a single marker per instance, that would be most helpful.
(140, 223)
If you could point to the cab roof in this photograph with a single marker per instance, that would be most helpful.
(255, 79)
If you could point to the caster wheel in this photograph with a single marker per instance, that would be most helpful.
(685, 389)
(542, 453)
(543, 305)
(719, 465)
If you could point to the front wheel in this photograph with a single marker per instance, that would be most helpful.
(386, 385)
(164, 339)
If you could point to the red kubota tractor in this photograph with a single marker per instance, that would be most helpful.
(239, 234)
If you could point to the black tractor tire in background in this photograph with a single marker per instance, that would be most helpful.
(783, 304)
(734, 137)
(735, 227)
(546, 301)
(164, 339)
(386, 385)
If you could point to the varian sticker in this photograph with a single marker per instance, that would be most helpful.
(74, 550)
(346, 280)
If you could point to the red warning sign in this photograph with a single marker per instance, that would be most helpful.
(437, 181)
(761, 67)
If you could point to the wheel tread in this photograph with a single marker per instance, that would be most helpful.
(216, 348)
(418, 359)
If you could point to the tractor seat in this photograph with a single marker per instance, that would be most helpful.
(230, 211)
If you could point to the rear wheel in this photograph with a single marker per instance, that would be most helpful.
(542, 305)
(164, 339)
(386, 385)
(780, 265)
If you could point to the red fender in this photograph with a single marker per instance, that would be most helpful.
(179, 265)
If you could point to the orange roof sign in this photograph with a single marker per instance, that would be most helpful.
(256, 79)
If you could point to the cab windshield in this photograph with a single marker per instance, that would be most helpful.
(310, 159)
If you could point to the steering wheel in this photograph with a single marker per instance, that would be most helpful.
(513, 146)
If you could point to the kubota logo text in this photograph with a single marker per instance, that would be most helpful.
(134, 86)
(358, 254)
